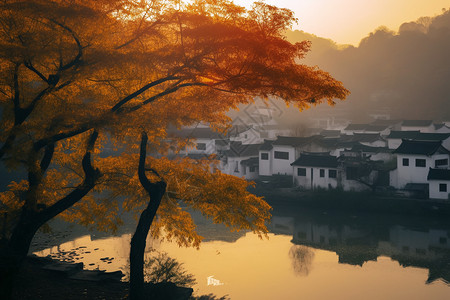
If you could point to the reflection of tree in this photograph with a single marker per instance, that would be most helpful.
(302, 258)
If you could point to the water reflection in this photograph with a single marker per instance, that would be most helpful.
(355, 256)
(357, 239)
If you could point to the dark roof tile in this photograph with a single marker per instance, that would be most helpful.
(420, 147)
(316, 160)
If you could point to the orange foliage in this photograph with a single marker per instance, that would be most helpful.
(123, 66)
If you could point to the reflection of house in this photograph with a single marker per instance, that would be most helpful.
(315, 170)
(356, 240)
(439, 180)
(414, 158)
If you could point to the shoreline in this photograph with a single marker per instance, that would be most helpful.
(353, 201)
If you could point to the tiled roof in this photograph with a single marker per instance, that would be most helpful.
(366, 137)
(416, 123)
(294, 141)
(251, 162)
(330, 133)
(386, 122)
(402, 134)
(365, 148)
(420, 147)
(221, 142)
(418, 136)
(266, 146)
(438, 174)
(197, 133)
(237, 149)
(316, 160)
(422, 136)
(376, 128)
(356, 127)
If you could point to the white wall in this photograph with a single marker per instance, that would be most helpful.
(282, 166)
(250, 175)
(315, 181)
(413, 174)
(434, 189)
(265, 166)
(210, 147)
(393, 178)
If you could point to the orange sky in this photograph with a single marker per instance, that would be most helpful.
(348, 21)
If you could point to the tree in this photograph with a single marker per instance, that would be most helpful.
(82, 77)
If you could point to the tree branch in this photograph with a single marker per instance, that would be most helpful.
(91, 177)
(30, 66)
(77, 58)
(141, 90)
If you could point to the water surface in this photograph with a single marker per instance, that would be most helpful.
(308, 255)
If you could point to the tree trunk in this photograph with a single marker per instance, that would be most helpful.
(15, 250)
(155, 191)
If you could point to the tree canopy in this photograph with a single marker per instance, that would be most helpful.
(81, 80)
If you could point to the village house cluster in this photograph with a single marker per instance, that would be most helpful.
(410, 157)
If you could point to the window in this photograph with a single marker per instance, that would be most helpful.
(322, 172)
(236, 166)
(442, 187)
(264, 156)
(201, 146)
(301, 171)
(441, 162)
(406, 162)
(352, 173)
(252, 169)
(422, 163)
(332, 173)
(281, 155)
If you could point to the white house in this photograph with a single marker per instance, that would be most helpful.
(414, 158)
(395, 138)
(237, 160)
(277, 156)
(315, 170)
(244, 134)
(439, 180)
(420, 125)
(374, 153)
(197, 141)
(265, 161)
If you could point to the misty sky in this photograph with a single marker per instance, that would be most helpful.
(348, 21)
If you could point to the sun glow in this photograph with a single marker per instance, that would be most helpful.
(348, 21)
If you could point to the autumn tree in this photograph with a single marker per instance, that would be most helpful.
(87, 86)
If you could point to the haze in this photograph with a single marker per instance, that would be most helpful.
(348, 21)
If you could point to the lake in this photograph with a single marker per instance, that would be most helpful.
(309, 254)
